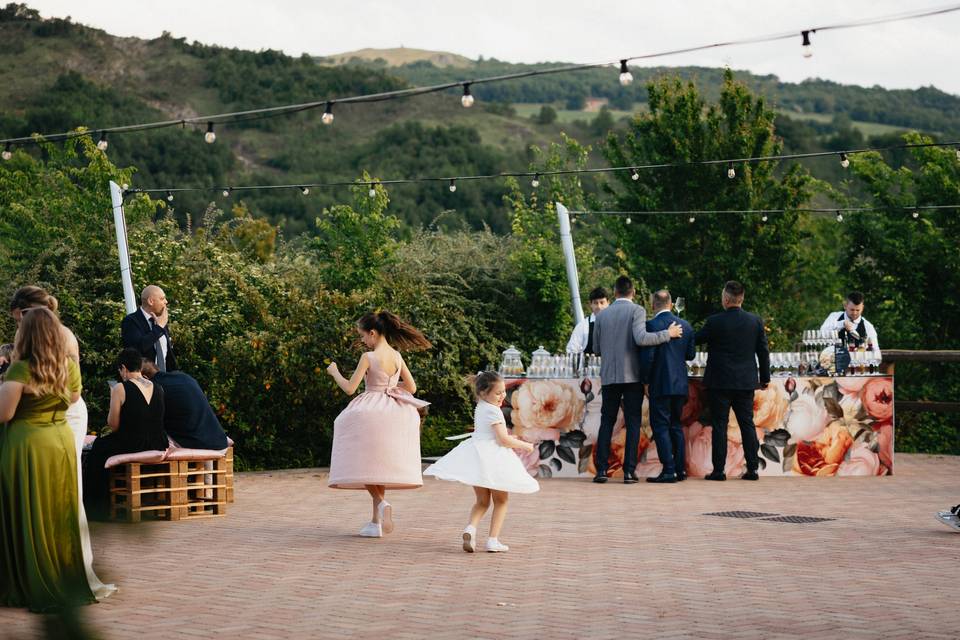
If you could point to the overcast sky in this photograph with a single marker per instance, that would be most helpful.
(900, 55)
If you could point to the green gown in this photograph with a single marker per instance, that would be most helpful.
(41, 560)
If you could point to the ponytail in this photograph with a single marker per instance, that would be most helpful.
(397, 332)
(31, 296)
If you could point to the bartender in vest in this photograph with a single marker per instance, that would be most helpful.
(851, 324)
(581, 340)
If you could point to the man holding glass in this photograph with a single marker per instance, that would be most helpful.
(851, 324)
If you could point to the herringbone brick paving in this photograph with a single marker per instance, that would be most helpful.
(586, 561)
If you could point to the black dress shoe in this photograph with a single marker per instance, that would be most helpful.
(600, 478)
(681, 476)
(720, 477)
(664, 478)
(630, 478)
(750, 475)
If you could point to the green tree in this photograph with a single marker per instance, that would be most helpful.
(547, 115)
(602, 123)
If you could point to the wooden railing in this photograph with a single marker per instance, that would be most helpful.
(893, 356)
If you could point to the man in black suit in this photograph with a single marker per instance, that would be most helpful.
(736, 346)
(668, 388)
(147, 329)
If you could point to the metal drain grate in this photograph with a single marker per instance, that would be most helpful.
(796, 519)
(740, 514)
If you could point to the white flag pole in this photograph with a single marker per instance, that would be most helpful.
(573, 279)
(119, 221)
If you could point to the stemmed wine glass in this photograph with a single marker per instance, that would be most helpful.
(680, 305)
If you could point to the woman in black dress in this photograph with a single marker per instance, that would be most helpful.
(136, 417)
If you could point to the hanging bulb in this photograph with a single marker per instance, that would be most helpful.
(844, 160)
(102, 143)
(625, 76)
(536, 181)
(628, 220)
(327, 117)
(467, 98)
(635, 175)
(807, 50)
(169, 196)
(958, 153)
(210, 137)
(916, 214)
(226, 192)
(373, 191)
(453, 185)
(7, 152)
(731, 172)
(305, 190)
(692, 219)
(839, 217)
(763, 218)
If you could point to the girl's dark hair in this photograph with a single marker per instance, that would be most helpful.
(397, 332)
(131, 359)
(484, 381)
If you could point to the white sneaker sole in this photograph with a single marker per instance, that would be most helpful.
(468, 545)
(500, 550)
(949, 520)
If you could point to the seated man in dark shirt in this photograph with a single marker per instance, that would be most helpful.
(189, 419)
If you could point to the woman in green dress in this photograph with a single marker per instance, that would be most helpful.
(41, 559)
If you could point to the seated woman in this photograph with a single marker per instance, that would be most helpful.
(41, 562)
(136, 418)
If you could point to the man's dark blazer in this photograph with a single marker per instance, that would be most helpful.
(668, 370)
(188, 417)
(135, 332)
(736, 348)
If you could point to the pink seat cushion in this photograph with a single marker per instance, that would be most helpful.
(88, 440)
(229, 441)
(139, 456)
(194, 454)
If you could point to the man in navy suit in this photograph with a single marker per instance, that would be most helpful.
(148, 331)
(668, 388)
(738, 363)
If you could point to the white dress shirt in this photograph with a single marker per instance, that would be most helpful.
(163, 338)
(832, 323)
(580, 335)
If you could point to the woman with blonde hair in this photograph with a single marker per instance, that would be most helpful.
(23, 300)
(41, 562)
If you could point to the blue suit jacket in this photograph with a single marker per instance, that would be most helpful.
(668, 361)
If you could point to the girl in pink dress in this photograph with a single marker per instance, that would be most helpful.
(376, 439)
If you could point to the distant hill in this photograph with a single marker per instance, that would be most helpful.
(397, 57)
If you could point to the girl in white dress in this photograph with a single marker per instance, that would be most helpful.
(486, 462)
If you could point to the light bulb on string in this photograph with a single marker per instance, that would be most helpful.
(210, 136)
(634, 174)
(807, 49)
(839, 217)
(625, 76)
(692, 219)
(958, 153)
(844, 160)
(327, 117)
(536, 181)
(102, 143)
(731, 172)
(763, 218)
(628, 220)
(916, 214)
(226, 192)
(467, 98)
(169, 196)
(305, 190)
(453, 185)
(7, 152)
(373, 191)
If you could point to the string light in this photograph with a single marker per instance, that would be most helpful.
(467, 98)
(634, 174)
(916, 214)
(210, 136)
(692, 219)
(807, 49)
(763, 218)
(625, 76)
(169, 196)
(628, 220)
(7, 152)
(305, 190)
(102, 144)
(731, 173)
(844, 160)
(226, 192)
(373, 191)
(327, 117)
(839, 217)
(958, 153)
(536, 181)
(453, 185)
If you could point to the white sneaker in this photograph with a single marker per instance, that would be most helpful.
(371, 530)
(385, 511)
(470, 538)
(495, 546)
(950, 519)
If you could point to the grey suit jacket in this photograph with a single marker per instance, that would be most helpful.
(618, 331)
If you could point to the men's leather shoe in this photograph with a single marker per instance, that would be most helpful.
(630, 478)
(600, 478)
(720, 477)
(681, 476)
(664, 478)
(750, 475)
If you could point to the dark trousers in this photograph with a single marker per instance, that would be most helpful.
(631, 394)
(665, 412)
(96, 479)
(741, 401)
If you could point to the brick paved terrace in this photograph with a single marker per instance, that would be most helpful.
(586, 561)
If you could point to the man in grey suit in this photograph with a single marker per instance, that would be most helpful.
(618, 332)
